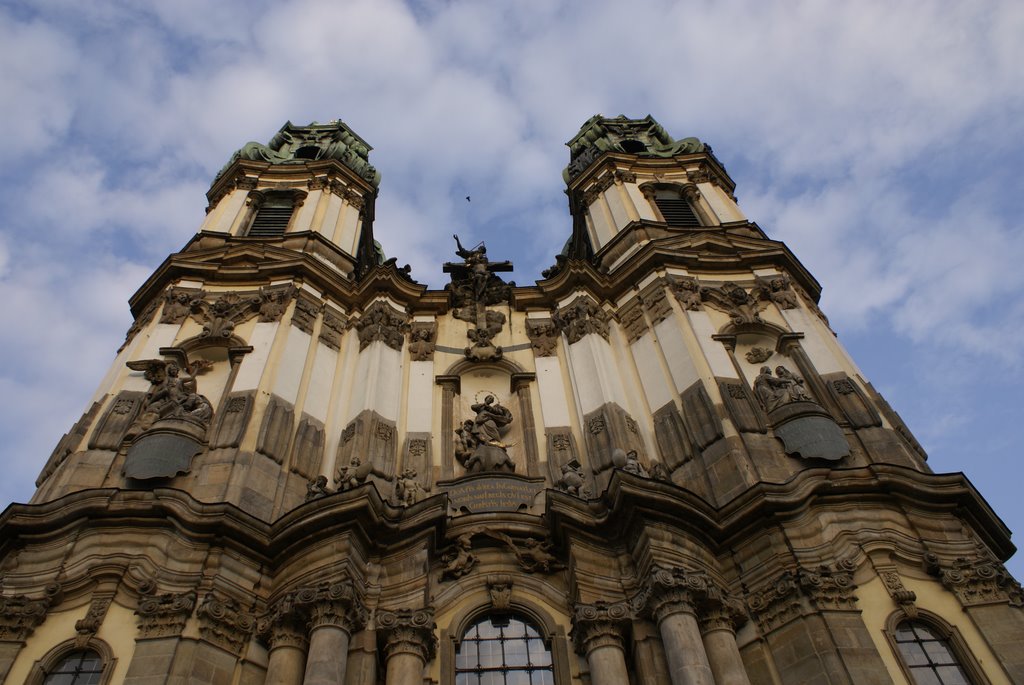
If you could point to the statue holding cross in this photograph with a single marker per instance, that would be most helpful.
(475, 285)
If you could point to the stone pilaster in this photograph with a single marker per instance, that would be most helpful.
(225, 623)
(335, 612)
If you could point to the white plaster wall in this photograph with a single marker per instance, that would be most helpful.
(620, 217)
(680, 363)
(595, 373)
(823, 358)
(348, 230)
(554, 402)
(601, 220)
(223, 216)
(318, 395)
(331, 214)
(291, 364)
(721, 203)
(420, 410)
(304, 217)
(652, 376)
(254, 363)
(714, 352)
(377, 381)
(642, 205)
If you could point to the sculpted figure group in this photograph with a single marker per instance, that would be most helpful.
(478, 445)
(782, 388)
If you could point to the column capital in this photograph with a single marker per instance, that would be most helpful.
(407, 631)
(675, 590)
(332, 604)
(601, 624)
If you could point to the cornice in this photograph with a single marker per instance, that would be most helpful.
(631, 501)
(301, 171)
(621, 160)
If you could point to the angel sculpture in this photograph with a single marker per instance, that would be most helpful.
(352, 475)
(733, 300)
(459, 559)
(172, 392)
(534, 556)
(778, 289)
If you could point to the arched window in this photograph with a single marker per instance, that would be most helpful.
(931, 652)
(84, 667)
(69, 664)
(503, 649)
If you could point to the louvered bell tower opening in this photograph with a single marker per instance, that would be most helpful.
(676, 210)
(272, 218)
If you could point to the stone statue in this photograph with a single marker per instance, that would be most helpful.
(534, 556)
(572, 480)
(489, 453)
(459, 559)
(770, 391)
(465, 442)
(172, 393)
(408, 490)
(659, 472)
(476, 260)
(794, 385)
(782, 388)
(778, 290)
(317, 488)
(634, 466)
(351, 475)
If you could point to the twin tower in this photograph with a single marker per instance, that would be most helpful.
(657, 465)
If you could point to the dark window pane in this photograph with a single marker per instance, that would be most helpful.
(925, 676)
(939, 653)
(913, 654)
(952, 675)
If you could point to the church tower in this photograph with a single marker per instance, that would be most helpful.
(655, 466)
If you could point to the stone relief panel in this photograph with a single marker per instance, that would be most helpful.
(606, 430)
(180, 303)
(69, 442)
(307, 308)
(233, 419)
(581, 318)
(334, 327)
(732, 299)
(544, 336)
(656, 302)
(851, 400)
(116, 421)
(417, 451)
(308, 449)
(743, 409)
(422, 339)
(631, 318)
(699, 415)
(777, 289)
(561, 449)
(687, 292)
(275, 301)
(674, 442)
(276, 429)
(380, 322)
(371, 438)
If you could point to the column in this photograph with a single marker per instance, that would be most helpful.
(674, 595)
(287, 658)
(335, 613)
(409, 644)
(599, 632)
(718, 623)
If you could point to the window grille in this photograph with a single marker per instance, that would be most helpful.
(271, 220)
(503, 650)
(77, 668)
(677, 212)
(927, 656)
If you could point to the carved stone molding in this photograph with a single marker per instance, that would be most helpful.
(631, 318)
(335, 604)
(422, 338)
(499, 587)
(381, 323)
(732, 299)
(656, 302)
(275, 301)
(777, 289)
(543, 335)
(20, 616)
(675, 590)
(687, 292)
(220, 316)
(223, 622)
(180, 303)
(780, 601)
(407, 631)
(981, 581)
(307, 308)
(165, 615)
(601, 624)
(87, 626)
(581, 318)
(334, 326)
(894, 586)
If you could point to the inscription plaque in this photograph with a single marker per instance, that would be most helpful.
(491, 492)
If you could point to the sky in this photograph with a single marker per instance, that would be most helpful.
(881, 141)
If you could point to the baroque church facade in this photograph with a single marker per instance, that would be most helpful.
(656, 465)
